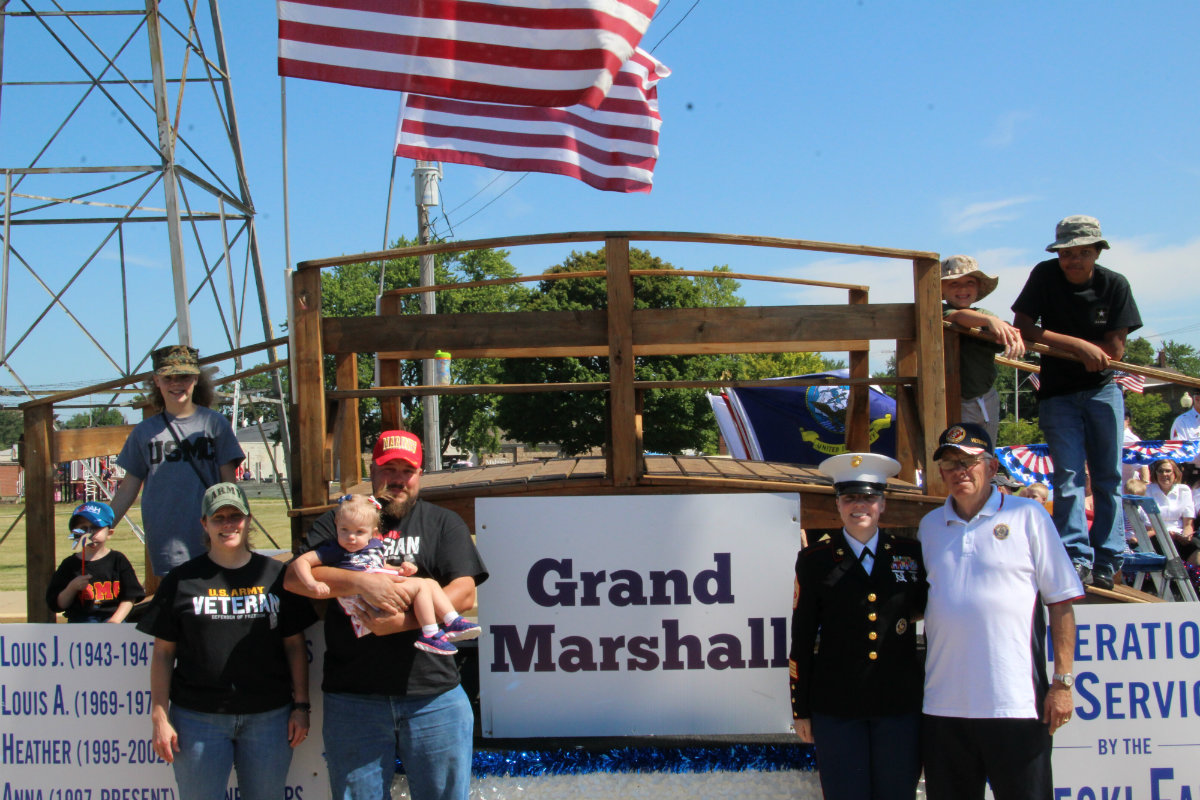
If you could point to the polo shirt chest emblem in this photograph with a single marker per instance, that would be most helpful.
(1000, 531)
(905, 569)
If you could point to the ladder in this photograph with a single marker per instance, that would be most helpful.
(1173, 578)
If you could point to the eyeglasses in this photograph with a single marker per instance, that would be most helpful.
(954, 464)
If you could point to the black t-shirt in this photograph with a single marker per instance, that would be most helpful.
(113, 581)
(228, 626)
(440, 544)
(1085, 311)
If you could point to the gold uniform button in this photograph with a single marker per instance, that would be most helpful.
(872, 636)
(871, 597)
(871, 616)
(873, 655)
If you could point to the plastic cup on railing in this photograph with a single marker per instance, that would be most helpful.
(441, 368)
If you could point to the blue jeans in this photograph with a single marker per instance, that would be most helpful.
(364, 734)
(211, 744)
(1086, 427)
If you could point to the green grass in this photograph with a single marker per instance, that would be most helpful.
(270, 512)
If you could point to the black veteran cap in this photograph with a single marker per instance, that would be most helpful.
(859, 473)
(967, 437)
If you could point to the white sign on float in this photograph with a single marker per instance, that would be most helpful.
(1135, 734)
(636, 615)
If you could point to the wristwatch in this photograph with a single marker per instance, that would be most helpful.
(1066, 679)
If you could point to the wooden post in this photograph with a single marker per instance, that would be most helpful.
(858, 407)
(348, 438)
(951, 342)
(309, 381)
(622, 404)
(39, 509)
(931, 372)
(391, 416)
(907, 422)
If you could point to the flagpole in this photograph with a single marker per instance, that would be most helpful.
(287, 236)
(1016, 395)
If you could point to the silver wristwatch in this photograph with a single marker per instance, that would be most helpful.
(1066, 679)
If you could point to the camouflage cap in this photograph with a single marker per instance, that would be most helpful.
(176, 359)
(1077, 231)
(965, 266)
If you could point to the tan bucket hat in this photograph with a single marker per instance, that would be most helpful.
(965, 266)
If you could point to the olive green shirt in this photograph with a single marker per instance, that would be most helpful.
(976, 359)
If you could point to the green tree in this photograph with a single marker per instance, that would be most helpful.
(1139, 351)
(1149, 415)
(1181, 358)
(673, 420)
(1018, 431)
(12, 425)
(95, 419)
(467, 421)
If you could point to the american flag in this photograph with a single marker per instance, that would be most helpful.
(524, 52)
(1130, 382)
(613, 147)
(1035, 381)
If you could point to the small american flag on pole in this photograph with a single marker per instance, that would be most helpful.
(1130, 382)
(614, 147)
(524, 52)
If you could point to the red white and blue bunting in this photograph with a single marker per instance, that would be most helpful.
(1031, 463)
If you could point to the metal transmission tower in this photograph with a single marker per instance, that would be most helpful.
(127, 221)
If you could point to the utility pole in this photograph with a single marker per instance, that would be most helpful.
(425, 179)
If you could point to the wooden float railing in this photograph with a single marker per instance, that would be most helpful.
(328, 422)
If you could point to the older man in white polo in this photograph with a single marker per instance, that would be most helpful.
(993, 560)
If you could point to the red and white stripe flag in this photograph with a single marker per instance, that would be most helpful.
(1130, 382)
(524, 52)
(614, 147)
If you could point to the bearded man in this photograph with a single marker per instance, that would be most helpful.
(384, 698)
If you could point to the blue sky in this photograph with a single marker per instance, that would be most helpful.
(951, 127)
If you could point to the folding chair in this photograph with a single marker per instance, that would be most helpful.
(1155, 558)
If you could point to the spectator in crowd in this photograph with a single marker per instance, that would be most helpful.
(1130, 437)
(1077, 306)
(1175, 505)
(963, 285)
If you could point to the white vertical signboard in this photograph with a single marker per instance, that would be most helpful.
(1135, 733)
(636, 615)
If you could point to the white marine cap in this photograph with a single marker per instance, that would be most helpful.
(859, 473)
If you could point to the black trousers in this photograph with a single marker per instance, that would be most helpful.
(868, 758)
(962, 755)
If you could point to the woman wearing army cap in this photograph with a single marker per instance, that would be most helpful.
(856, 674)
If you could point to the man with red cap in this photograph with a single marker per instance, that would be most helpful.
(384, 698)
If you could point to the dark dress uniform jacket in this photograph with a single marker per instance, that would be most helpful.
(854, 645)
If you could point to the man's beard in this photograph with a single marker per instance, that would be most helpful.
(397, 507)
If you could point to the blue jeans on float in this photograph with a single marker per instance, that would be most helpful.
(1086, 428)
(432, 736)
(211, 744)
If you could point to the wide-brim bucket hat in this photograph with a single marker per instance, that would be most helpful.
(963, 267)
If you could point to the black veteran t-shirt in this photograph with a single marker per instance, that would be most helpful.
(228, 627)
